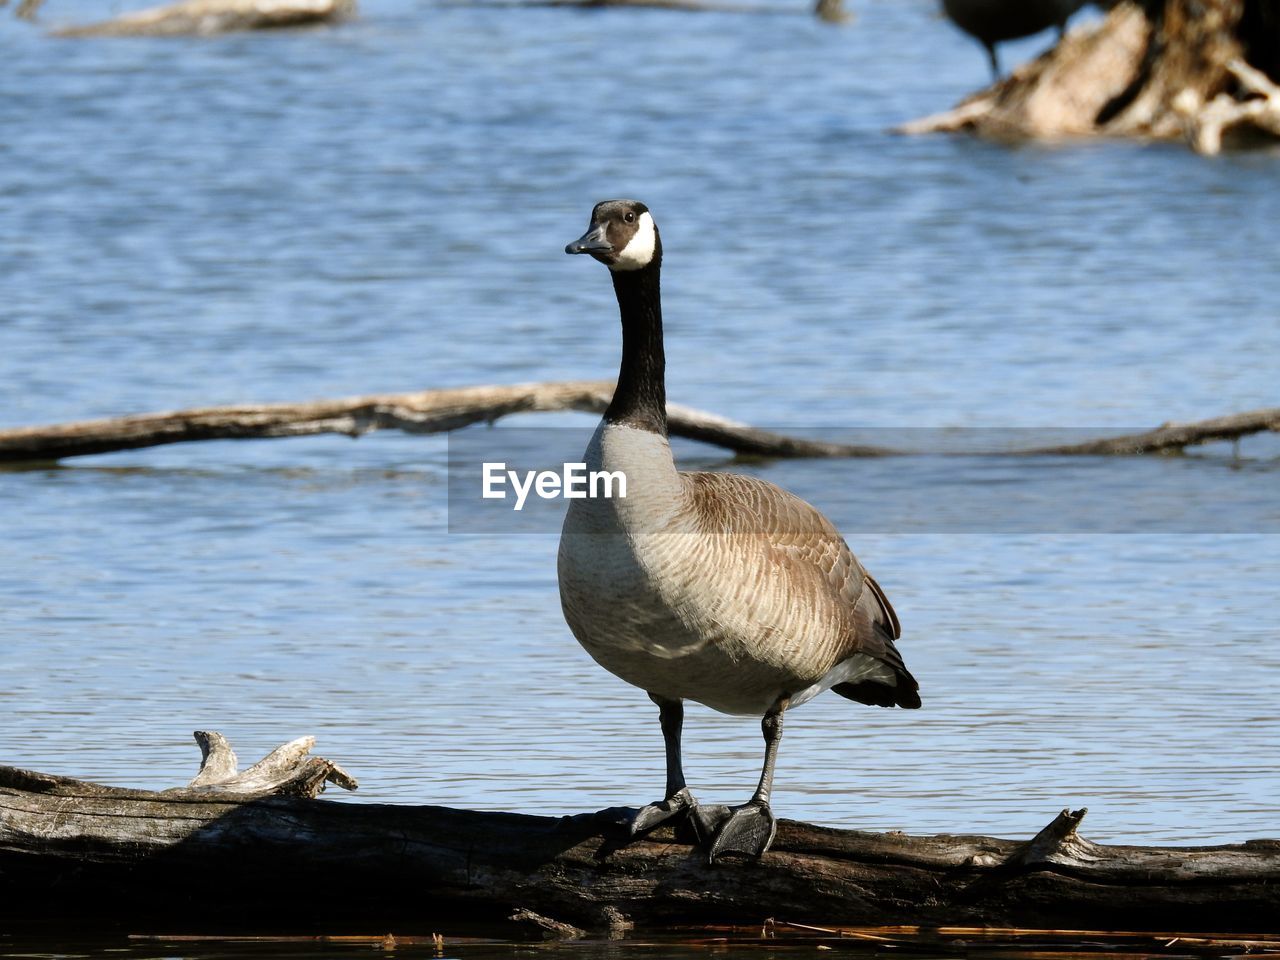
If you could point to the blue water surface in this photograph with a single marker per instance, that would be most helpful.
(381, 206)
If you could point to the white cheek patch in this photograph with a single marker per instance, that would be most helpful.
(639, 252)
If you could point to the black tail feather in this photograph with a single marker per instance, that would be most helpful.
(877, 694)
(905, 690)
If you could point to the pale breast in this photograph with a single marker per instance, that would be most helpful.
(664, 595)
(615, 553)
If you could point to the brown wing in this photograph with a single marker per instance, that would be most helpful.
(812, 556)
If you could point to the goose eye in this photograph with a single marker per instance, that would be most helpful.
(629, 217)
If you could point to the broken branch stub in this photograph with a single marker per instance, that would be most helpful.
(288, 770)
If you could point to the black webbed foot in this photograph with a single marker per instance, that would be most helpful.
(747, 832)
(648, 817)
(694, 823)
(704, 822)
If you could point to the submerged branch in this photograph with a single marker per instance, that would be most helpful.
(427, 411)
(204, 17)
(1172, 437)
(830, 11)
(27, 9)
(439, 411)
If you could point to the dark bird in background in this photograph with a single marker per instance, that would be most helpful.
(993, 21)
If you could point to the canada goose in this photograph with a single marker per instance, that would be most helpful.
(712, 587)
(994, 21)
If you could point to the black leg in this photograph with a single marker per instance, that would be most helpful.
(995, 61)
(678, 800)
(750, 827)
(671, 716)
(771, 727)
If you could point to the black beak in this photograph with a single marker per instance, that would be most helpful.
(593, 241)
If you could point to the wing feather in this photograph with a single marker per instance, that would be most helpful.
(805, 552)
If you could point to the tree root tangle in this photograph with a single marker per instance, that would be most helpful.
(1202, 71)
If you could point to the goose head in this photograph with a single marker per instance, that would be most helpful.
(622, 236)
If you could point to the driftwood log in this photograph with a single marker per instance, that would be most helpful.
(1197, 70)
(205, 17)
(830, 11)
(256, 852)
(438, 411)
(26, 9)
(221, 16)
(685, 6)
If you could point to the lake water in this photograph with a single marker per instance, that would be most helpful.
(383, 206)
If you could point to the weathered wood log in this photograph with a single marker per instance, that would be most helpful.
(830, 11)
(203, 17)
(687, 6)
(1060, 93)
(256, 852)
(438, 411)
(1171, 437)
(1207, 124)
(26, 9)
(428, 411)
(1199, 70)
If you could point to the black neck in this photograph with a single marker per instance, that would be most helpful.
(640, 399)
